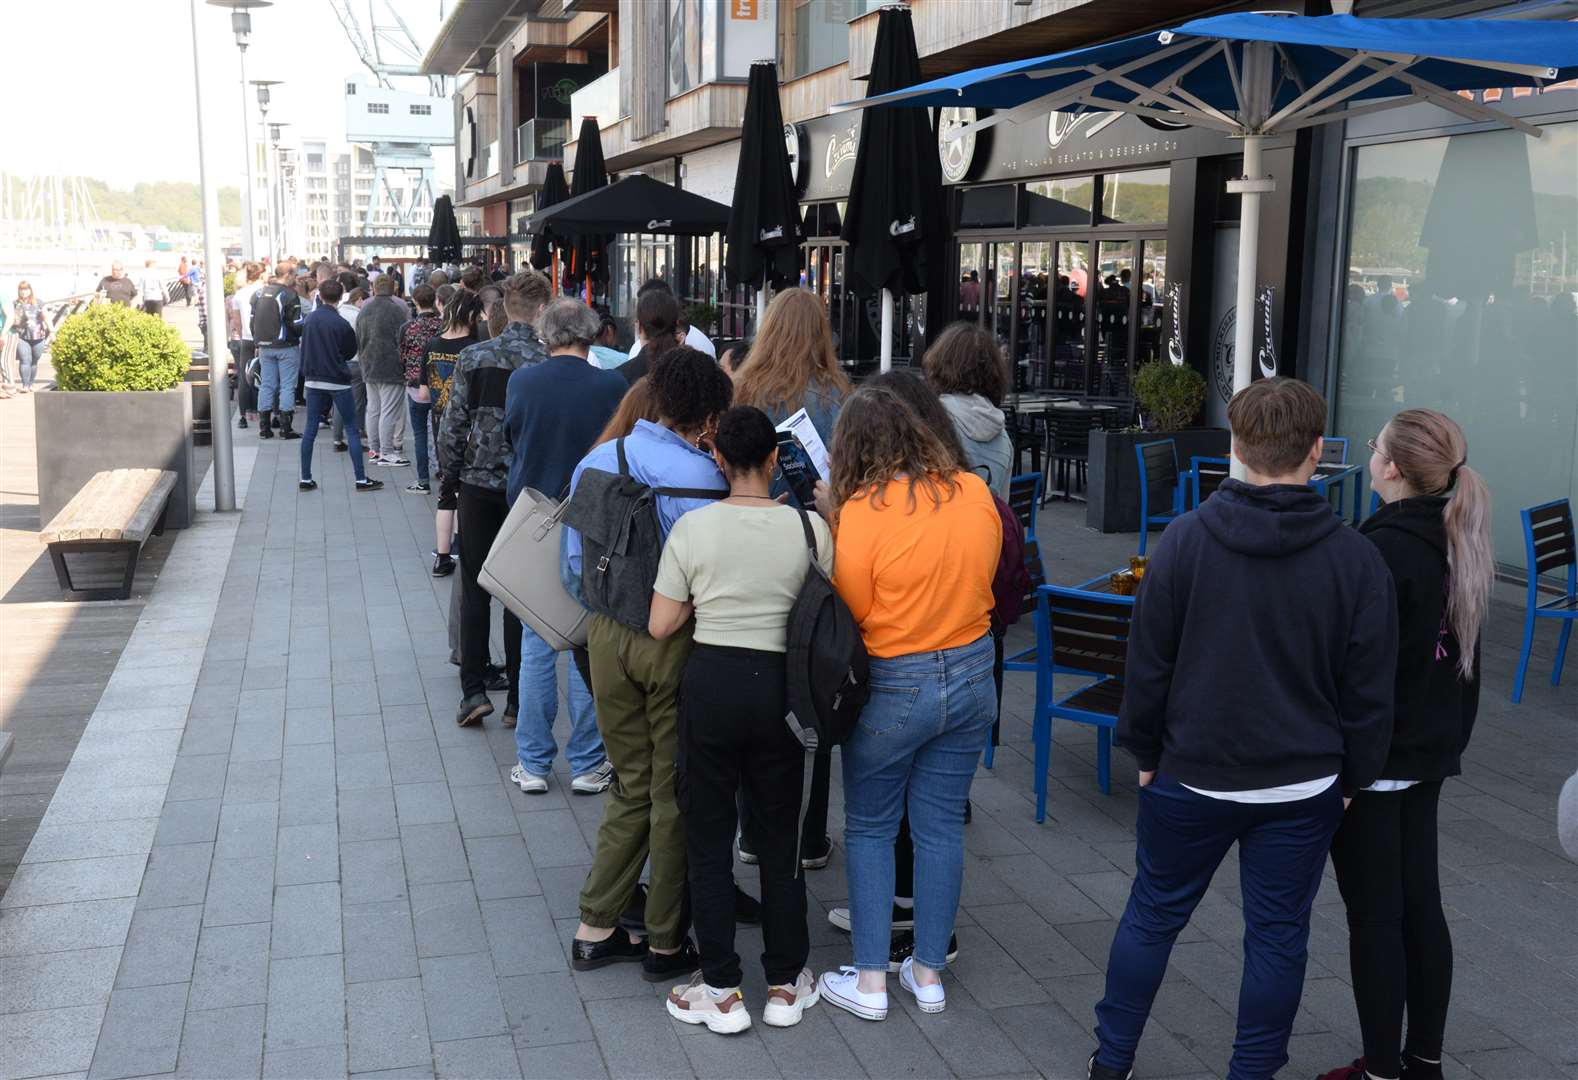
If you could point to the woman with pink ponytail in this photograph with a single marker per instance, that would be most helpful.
(1433, 530)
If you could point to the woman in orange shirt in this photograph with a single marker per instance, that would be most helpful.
(917, 542)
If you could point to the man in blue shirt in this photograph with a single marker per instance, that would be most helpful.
(553, 412)
(635, 681)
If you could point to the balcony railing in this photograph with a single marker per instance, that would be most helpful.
(541, 140)
(598, 98)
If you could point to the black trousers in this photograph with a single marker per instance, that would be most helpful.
(732, 735)
(482, 513)
(813, 840)
(153, 307)
(1399, 946)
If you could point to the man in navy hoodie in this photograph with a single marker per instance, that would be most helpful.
(327, 345)
(1257, 700)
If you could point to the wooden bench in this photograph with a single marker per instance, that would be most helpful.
(113, 514)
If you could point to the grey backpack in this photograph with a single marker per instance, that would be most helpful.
(621, 539)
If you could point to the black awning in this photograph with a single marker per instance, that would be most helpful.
(636, 204)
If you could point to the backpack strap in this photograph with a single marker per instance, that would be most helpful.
(807, 737)
(810, 534)
(619, 449)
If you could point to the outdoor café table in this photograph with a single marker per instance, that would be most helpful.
(1328, 476)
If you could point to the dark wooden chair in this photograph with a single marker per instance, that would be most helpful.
(1205, 476)
(1161, 485)
(1068, 447)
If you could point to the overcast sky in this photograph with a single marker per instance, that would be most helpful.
(111, 83)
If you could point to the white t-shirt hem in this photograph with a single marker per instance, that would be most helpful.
(1284, 793)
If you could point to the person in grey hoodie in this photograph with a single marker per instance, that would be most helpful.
(965, 367)
(378, 346)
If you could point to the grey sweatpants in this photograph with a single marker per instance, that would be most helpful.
(386, 411)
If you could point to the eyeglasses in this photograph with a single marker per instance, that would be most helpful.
(1371, 443)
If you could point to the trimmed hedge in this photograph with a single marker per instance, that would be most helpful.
(109, 347)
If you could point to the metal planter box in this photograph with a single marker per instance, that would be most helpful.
(1113, 500)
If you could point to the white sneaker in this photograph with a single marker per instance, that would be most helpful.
(722, 1010)
(394, 461)
(785, 1003)
(931, 999)
(842, 988)
(530, 783)
(595, 781)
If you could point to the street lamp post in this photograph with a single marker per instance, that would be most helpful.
(271, 251)
(280, 229)
(241, 25)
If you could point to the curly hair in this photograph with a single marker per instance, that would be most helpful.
(880, 438)
(688, 387)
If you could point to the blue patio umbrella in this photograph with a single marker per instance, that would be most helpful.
(1254, 75)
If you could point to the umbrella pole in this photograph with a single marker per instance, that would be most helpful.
(886, 364)
(1249, 188)
(761, 303)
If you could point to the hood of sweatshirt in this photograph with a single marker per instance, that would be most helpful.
(976, 418)
(1272, 521)
(1420, 516)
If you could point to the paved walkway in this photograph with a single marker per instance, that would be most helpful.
(274, 855)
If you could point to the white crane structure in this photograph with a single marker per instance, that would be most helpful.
(401, 126)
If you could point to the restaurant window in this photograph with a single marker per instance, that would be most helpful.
(1459, 296)
(987, 207)
(819, 32)
(1134, 198)
(1064, 201)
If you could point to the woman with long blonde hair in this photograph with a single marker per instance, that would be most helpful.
(792, 365)
(916, 547)
(1433, 530)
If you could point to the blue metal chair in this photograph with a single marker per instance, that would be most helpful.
(1334, 451)
(1548, 542)
(1158, 463)
(1083, 633)
(1024, 499)
(1205, 476)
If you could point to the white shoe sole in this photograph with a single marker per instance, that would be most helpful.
(776, 1015)
(924, 1006)
(865, 1012)
(533, 785)
(729, 1023)
(590, 789)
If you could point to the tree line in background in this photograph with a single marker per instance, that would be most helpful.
(174, 204)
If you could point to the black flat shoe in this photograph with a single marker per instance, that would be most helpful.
(443, 566)
(616, 949)
(657, 967)
(473, 709)
(498, 680)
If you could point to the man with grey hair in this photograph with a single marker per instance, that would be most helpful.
(554, 412)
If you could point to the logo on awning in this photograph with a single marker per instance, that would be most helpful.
(660, 223)
(776, 233)
(899, 228)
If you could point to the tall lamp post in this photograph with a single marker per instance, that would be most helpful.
(241, 25)
(272, 248)
(279, 231)
(214, 284)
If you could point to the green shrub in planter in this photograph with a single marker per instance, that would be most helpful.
(1170, 394)
(703, 317)
(109, 347)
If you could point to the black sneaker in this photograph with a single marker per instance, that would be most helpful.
(817, 858)
(340, 446)
(443, 565)
(747, 909)
(369, 485)
(1101, 1072)
(498, 680)
(903, 948)
(903, 918)
(307, 485)
(243, 424)
(616, 949)
(659, 967)
(473, 709)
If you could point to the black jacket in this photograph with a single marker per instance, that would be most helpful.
(328, 344)
(638, 365)
(1435, 705)
(1263, 646)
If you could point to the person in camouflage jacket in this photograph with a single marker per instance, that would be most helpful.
(474, 453)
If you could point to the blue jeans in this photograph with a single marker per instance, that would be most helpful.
(923, 730)
(28, 354)
(278, 367)
(1181, 840)
(420, 411)
(539, 693)
(345, 405)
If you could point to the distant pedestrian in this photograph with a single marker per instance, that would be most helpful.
(30, 327)
(378, 348)
(249, 280)
(116, 286)
(276, 327)
(180, 274)
(151, 284)
(414, 337)
(328, 343)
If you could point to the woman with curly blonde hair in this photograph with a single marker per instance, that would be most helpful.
(917, 544)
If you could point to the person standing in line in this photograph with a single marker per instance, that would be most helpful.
(553, 411)
(276, 327)
(353, 296)
(738, 565)
(918, 542)
(116, 286)
(691, 336)
(965, 366)
(657, 322)
(327, 345)
(151, 285)
(461, 312)
(635, 683)
(30, 327)
(1257, 701)
(414, 336)
(474, 448)
(603, 353)
(251, 278)
(378, 347)
(1433, 531)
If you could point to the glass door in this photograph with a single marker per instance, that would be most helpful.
(998, 293)
(1031, 357)
(1114, 321)
(1070, 316)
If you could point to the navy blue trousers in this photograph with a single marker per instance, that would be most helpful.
(1182, 839)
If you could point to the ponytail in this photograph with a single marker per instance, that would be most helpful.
(1430, 451)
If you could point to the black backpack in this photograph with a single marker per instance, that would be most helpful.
(828, 670)
(268, 316)
(621, 539)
